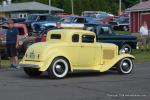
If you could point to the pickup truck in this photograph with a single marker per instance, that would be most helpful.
(68, 50)
(105, 33)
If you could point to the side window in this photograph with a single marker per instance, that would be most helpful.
(75, 38)
(88, 38)
(55, 36)
(42, 18)
(80, 20)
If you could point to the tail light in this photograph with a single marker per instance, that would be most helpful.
(43, 38)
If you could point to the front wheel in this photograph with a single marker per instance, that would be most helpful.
(58, 68)
(32, 72)
(125, 66)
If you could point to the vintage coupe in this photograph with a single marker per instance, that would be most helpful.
(67, 50)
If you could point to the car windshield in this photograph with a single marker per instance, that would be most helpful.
(122, 19)
(52, 18)
(31, 18)
(67, 19)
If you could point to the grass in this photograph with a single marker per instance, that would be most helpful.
(122, 32)
(141, 56)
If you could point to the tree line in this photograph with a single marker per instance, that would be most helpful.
(87, 5)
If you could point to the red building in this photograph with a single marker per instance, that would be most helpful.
(138, 14)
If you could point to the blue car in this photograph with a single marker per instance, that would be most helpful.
(75, 22)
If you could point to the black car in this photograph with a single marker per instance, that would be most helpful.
(104, 33)
(121, 23)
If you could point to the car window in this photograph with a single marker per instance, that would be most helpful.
(42, 18)
(75, 38)
(88, 38)
(55, 36)
(52, 18)
(80, 20)
(105, 30)
(32, 18)
(67, 19)
(21, 31)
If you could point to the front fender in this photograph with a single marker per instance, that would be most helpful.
(114, 61)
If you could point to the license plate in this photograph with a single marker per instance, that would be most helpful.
(32, 55)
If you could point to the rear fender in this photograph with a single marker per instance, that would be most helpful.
(49, 60)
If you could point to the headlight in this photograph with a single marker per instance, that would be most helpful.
(122, 51)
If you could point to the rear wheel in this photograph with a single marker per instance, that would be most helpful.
(125, 66)
(58, 68)
(32, 72)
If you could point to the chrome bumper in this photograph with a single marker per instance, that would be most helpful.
(27, 66)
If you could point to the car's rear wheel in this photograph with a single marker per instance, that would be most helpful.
(32, 72)
(125, 66)
(58, 68)
(127, 48)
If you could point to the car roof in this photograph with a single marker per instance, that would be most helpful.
(71, 31)
(41, 14)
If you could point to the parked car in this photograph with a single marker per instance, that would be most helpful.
(104, 33)
(71, 22)
(68, 50)
(39, 18)
(121, 23)
(3, 20)
(18, 20)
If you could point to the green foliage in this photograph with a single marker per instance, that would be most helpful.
(85, 5)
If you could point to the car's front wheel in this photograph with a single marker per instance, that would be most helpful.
(125, 66)
(32, 72)
(58, 68)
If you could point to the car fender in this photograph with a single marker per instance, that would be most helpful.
(50, 57)
(114, 61)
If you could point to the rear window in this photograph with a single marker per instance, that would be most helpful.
(55, 36)
(75, 38)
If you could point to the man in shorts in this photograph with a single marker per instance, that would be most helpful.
(12, 43)
(144, 36)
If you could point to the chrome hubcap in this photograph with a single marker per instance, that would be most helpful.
(59, 68)
(126, 66)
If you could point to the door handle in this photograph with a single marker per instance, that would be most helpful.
(82, 46)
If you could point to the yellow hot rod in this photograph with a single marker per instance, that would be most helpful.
(67, 50)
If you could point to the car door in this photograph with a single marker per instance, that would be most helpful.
(87, 51)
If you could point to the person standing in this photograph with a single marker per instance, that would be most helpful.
(12, 43)
(144, 36)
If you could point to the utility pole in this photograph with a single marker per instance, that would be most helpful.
(120, 7)
(49, 2)
(72, 6)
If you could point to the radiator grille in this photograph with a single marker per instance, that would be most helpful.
(108, 54)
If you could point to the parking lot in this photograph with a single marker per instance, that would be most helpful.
(14, 84)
